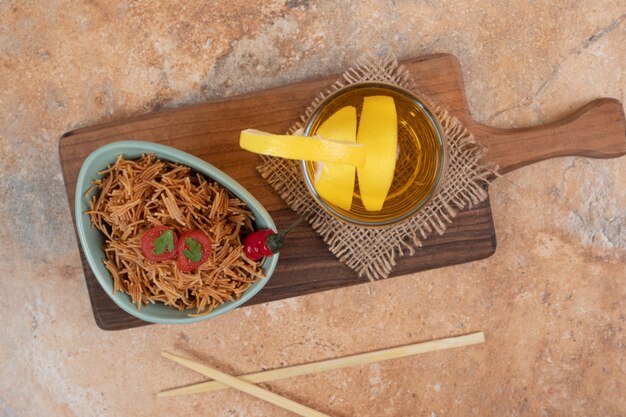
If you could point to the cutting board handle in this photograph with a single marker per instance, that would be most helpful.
(596, 130)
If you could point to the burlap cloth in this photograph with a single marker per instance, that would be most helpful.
(373, 252)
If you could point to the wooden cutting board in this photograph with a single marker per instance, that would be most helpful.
(211, 131)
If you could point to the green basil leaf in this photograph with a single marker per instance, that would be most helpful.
(194, 253)
(165, 241)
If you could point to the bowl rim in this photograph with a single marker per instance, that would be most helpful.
(94, 160)
(425, 108)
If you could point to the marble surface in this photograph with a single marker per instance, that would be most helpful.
(551, 301)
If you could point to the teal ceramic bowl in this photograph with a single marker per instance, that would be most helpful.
(92, 239)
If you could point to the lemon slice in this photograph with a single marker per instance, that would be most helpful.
(378, 132)
(335, 182)
(315, 148)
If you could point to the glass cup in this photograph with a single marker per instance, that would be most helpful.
(420, 165)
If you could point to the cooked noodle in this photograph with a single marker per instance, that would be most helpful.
(136, 195)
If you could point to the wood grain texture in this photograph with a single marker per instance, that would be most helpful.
(211, 130)
(595, 130)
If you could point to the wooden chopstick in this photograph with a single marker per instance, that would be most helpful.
(326, 365)
(246, 387)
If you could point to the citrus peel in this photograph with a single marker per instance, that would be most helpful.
(340, 151)
(315, 148)
(333, 181)
(378, 132)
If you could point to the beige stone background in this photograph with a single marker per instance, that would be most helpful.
(551, 301)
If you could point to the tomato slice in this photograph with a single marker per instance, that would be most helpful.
(159, 244)
(194, 248)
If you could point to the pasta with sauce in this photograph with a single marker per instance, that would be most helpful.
(136, 195)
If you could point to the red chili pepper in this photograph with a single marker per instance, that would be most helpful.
(159, 244)
(265, 242)
(194, 248)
